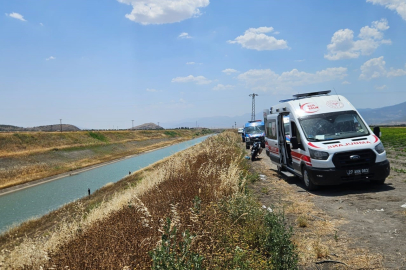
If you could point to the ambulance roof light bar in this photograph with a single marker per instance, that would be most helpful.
(304, 95)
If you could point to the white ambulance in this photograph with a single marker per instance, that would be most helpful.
(329, 144)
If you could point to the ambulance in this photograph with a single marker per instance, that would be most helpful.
(330, 143)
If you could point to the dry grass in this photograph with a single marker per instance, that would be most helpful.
(122, 230)
(302, 221)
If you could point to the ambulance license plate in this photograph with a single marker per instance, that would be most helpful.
(358, 171)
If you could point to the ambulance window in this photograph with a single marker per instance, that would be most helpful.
(271, 129)
(296, 133)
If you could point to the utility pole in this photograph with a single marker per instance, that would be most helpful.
(253, 95)
(132, 126)
(235, 124)
(60, 121)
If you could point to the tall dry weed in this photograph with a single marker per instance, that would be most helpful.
(131, 219)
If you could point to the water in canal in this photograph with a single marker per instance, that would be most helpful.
(36, 201)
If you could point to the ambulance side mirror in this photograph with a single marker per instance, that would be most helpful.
(377, 132)
(294, 143)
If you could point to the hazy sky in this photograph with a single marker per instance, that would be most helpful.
(103, 63)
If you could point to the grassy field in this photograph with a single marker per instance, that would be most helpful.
(394, 137)
(192, 211)
(29, 156)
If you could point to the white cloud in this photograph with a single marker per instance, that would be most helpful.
(16, 16)
(396, 72)
(50, 58)
(375, 68)
(190, 63)
(191, 78)
(41, 24)
(382, 87)
(167, 11)
(345, 82)
(398, 5)
(220, 87)
(229, 71)
(256, 39)
(300, 60)
(184, 35)
(343, 45)
(268, 80)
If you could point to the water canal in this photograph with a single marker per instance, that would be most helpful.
(36, 201)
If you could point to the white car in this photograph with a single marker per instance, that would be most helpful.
(240, 130)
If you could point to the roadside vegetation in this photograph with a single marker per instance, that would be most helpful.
(28, 156)
(192, 211)
(394, 140)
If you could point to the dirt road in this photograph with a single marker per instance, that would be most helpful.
(367, 219)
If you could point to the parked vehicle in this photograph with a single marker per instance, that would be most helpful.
(254, 131)
(240, 130)
(330, 143)
(255, 150)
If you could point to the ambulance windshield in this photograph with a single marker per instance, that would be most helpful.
(333, 126)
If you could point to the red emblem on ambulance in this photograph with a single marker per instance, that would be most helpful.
(310, 107)
(335, 104)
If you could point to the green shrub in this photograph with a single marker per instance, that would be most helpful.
(277, 243)
(98, 136)
(171, 133)
(171, 254)
(264, 232)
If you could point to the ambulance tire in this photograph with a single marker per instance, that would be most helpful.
(307, 181)
(247, 146)
(378, 181)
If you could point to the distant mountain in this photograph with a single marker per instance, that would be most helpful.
(148, 126)
(214, 122)
(390, 115)
(57, 127)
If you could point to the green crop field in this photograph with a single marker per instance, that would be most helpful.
(394, 137)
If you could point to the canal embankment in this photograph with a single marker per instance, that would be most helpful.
(29, 156)
(33, 201)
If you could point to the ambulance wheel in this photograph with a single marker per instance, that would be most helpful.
(378, 181)
(247, 146)
(307, 181)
